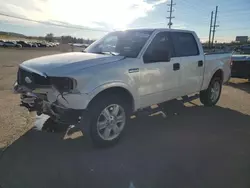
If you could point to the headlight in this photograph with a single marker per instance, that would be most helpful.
(63, 84)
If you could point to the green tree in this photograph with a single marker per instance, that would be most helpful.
(49, 37)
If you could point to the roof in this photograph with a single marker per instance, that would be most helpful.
(157, 29)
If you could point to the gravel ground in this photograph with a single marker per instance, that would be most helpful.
(193, 146)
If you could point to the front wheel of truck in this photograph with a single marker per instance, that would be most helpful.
(109, 115)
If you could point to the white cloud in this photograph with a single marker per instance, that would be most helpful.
(90, 13)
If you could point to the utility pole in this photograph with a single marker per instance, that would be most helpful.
(210, 29)
(170, 14)
(214, 27)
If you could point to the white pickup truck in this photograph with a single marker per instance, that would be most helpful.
(121, 73)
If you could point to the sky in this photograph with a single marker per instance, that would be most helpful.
(93, 18)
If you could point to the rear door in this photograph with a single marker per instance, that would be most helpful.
(191, 62)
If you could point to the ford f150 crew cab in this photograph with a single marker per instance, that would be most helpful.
(119, 74)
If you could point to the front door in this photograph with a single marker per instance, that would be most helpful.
(159, 74)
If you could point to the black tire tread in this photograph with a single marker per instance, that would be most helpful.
(205, 94)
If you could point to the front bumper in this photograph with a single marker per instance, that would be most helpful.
(64, 115)
(56, 110)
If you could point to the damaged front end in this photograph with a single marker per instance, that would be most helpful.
(41, 93)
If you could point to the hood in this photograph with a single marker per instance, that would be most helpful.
(67, 62)
(241, 57)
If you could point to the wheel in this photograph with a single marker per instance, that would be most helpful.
(109, 115)
(211, 95)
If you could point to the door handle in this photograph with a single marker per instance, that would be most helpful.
(176, 66)
(200, 63)
(133, 70)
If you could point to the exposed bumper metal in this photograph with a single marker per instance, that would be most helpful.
(55, 110)
(62, 114)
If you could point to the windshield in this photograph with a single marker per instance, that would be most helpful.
(242, 50)
(124, 43)
(245, 51)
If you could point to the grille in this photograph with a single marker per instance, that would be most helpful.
(36, 79)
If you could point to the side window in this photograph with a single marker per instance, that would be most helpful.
(159, 50)
(184, 44)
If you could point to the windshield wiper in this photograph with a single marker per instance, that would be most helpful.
(111, 53)
(105, 53)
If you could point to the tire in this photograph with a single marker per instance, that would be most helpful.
(98, 109)
(208, 97)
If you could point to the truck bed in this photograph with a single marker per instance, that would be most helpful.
(213, 61)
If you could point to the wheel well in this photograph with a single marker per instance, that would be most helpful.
(218, 74)
(119, 91)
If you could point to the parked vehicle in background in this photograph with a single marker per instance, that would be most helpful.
(24, 44)
(47, 44)
(1, 42)
(33, 44)
(241, 63)
(39, 44)
(52, 44)
(11, 44)
(42, 44)
(124, 72)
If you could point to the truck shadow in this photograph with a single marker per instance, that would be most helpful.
(192, 146)
(244, 86)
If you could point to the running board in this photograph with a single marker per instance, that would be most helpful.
(159, 108)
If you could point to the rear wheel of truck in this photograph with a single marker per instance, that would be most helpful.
(109, 115)
(211, 95)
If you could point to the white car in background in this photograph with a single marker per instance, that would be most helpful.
(11, 44)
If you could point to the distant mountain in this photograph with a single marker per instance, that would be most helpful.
(11, 34)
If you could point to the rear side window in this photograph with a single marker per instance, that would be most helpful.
(184, 44)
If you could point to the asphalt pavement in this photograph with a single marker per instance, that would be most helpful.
(193, 146)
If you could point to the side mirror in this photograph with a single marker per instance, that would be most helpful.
(157, 55)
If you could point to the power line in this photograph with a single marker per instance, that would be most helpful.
(52, 24)
(239, 11)
(170, 14)
(193, 6)
(228, 14)
(235, 29)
